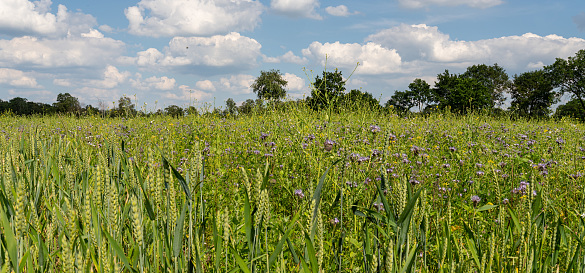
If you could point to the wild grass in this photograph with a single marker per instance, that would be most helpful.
(289, 191)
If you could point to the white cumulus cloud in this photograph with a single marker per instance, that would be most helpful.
(112, 77)
(340, 10)
(296, 8)
(192, 17)
(17, 78)
(22, 17)
(160, 83)
(288, 57)
(295, 83)
(71, 52)
(372, 57)
(416, 43)
(472, 3)
(231, 51)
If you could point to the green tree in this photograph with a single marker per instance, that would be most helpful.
(461, 94)
(401, 101)
(571, 109)
(270, 85)
(174, 111)
(569, 76)
(67, 103)
(231, 107)
(191, 110)
(247, 107)
(125, 107)
(19, 106)
(532, 94)
(327, 91)
(357, 99)
(493, 77)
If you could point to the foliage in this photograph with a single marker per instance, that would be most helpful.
(569, 76)
(493, 77)
(67, 103)
(174, 111)
(327, 91)
(270, 85)
(419, 94)
(532, 94)
(231, 107)
(461, 94)
(571, 109)
(360, 99)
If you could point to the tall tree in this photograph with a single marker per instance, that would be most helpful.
(231, 107)
(66, 103)
(493, 77)
(270, 85)
(532, 94)
(327, 90)
(571, 109)
(401, 101)
(174, 111)
(361, 100)
(461, 94)
(569, 76)
(126, 107)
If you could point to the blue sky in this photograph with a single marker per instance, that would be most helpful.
(201, 52)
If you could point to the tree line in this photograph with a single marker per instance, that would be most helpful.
(480, 88)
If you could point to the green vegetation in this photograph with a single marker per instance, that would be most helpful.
(289, 190)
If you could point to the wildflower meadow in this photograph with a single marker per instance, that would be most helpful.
(292, 190)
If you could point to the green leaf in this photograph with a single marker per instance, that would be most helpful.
(241, 263)
(279, 246)
(118, 250)
(178, 239)
(486, 207)
(177, 175)
(9, 239)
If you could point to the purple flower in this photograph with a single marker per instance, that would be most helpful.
(299, 193)
(375, 128)
(328, 145)
(379, 206)
(335, 221)
(475, 200)
(263, 136)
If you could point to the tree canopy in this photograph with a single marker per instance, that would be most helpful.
(270, 85)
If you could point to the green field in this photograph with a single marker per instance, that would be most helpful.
(292, 191)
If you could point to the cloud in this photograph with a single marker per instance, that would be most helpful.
(415, 4)
(224, 53)
(373, 58)
(295, 83)
(340, 10)
(158, 18)
(111, 78)
(422, 43)
(70, 52)
(206, 85)
(579, 20)
(17, 78)
(288, 57)
(186, 95)
(296, 8)
(21, 17)
(162, 83)
(62, 82)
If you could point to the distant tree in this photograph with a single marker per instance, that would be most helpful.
(247, 107)
(66, 103)
(19, 106)
(461, 94)
(174, 111)
(493, 77)
(401, 101)
(327, 91)
(231, 107)
(418, 94)
(571, 109)
(360, 99)
(270, 85)
(569, 76)
(191, 110)
(532, 94)
(125, 107)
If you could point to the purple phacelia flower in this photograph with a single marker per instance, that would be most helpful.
(299, 193)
